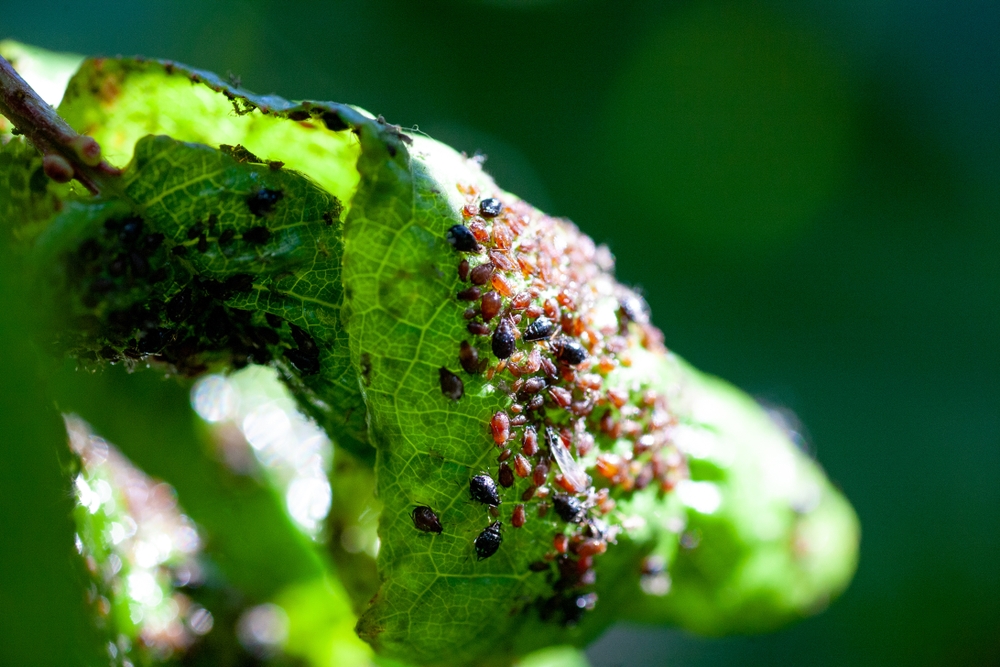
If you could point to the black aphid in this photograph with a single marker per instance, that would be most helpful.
(569, 351)
(484, 490)
(241, 282)
(451, 384)
(504, 342)
(306, 361)
(425, 519)
(490, 208)
(540, 329)
(634, 308)
(130, 231)
(333, 121)
(226, 236)
(568, 508)
(152, 243)
(462, 239)
(488, 541)
(263, 201)
(257, 235)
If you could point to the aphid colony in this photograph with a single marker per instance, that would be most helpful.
(547, 326)
(152, 303)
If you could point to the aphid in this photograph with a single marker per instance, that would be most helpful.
(533, 385)
(520, 301)
(258, 235)
(490, 208)
(490, 306)
(484, 490)
(130, 231)
(306, 361)
(501, 284)
(500, 426)
(529, 493)
(506, 476)
(468, 356)
(488, 541)
(530, 444)
(518, 518)
(152, 243)
(481, 274)
(540, 473)
(478, 231)
(461, 239)
(501, 235)
(561, 396)
(536, 402)
(502, 260)
(560, 542)
(504, 455)
(591, 548)
(451, 384)
(478, 328)
(333, 121)
(540, 329)
(239, 283)
(469, 294)
(140, 267)
(504, 342)
(521, 466)
(463, 270)
(569, 351)
(425, 519)
(263, 201)
(519, 420)
(634, 308)
(568, 508)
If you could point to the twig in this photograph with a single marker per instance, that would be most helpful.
(66, 154)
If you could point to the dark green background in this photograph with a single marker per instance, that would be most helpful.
(808, 193)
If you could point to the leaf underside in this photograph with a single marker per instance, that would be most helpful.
(315, 238)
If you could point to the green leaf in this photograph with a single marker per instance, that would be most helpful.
(369, 321)
(42, 610)
(221, 262)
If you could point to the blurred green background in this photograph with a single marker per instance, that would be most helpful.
(807, 192)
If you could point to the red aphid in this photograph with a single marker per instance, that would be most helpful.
(479, 231)
(520, 301)
(501, 235)
(521, 466)
(501, 284)
(561, 396)
(530, 444)
(500, 426)
(561, 543)
(518, 518)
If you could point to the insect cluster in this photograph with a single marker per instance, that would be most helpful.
(551, 329)
(146, 299)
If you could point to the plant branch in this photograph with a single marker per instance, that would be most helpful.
(66, 153)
